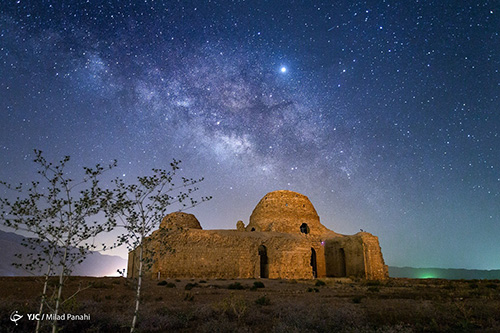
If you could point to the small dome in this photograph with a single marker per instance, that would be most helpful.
(287, 212)
(180, 220)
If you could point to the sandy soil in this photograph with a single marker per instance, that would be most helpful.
(326, 305)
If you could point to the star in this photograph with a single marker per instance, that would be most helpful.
(221, 96)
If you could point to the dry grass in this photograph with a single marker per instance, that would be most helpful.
(338, 305)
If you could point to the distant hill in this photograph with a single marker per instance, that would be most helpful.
(443, 273)
(96, 264)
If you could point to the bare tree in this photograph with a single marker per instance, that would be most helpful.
(60, 216)
(141, 206)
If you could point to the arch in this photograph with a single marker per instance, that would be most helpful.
(264, 262)
(304, 228)
(314, 263)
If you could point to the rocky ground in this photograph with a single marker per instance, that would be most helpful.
(326, 305)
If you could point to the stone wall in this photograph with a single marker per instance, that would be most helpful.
(375, 267)
(358, 255)
(230, 254)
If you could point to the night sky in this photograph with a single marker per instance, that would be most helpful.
(384, 113)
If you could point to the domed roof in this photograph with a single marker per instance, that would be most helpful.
(287, 212)
(180, 220)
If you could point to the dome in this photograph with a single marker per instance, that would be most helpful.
(180, 220)
(287, 212)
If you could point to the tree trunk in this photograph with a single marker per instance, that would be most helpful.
(59, 291)
(44, 295)
(138, 293)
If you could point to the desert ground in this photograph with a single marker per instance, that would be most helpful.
(324, 305)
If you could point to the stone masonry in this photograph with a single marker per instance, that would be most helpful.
(283, 240)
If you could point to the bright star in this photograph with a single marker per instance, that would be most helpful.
(283, 69)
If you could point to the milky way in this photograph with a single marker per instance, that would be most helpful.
(384, 113)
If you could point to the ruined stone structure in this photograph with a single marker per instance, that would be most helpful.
(284, 239)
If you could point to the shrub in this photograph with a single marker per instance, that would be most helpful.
(162, 283)
(374, 289)
(233, 305)
(491, 285)
(357, 299)
(236, 286)
(263, 300)
(170, 285)
(258, 284)
(190, 286)
(320, 283)
(100, 285)
(202, 281)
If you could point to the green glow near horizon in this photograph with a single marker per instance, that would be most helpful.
(427, 276)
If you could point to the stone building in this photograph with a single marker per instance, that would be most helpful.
(284, 239)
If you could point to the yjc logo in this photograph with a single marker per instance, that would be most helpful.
(15, 317)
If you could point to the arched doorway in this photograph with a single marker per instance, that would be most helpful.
(304, 228)
(264, 262)
(314, 264)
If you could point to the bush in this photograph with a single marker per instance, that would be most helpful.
(190, 286)
(263, 300)
(235, 286)
(258, 284)
(357, 299)
(99, 285)
(320, 283)
(167, 284)
(188, 297)
(233, 306)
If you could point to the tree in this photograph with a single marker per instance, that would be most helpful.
(56, 212)
(140, 207)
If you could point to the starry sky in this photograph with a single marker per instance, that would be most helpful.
(384, 113)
